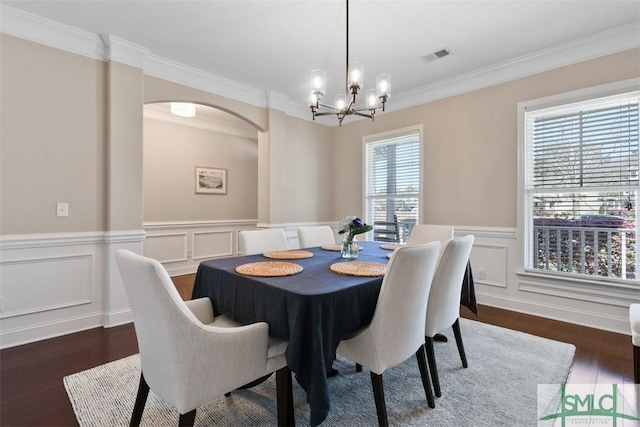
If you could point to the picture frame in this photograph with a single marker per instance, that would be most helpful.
(210, 180)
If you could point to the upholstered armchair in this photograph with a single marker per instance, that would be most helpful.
(188, 355)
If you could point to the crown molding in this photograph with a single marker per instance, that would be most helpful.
(601, 44)
(166, 69)
(125, 52)
(17, 23)
(282, 102)
(54, 34)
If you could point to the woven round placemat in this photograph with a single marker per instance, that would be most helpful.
(269, 268)
(391, 247)
(292, 254)
(359, 268)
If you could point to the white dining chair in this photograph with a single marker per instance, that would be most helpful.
(261, 241)
(395, 331)
(426, 233)
(188, 356)
(320, 235)
(443, 310)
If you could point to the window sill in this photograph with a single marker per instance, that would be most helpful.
(599, 290)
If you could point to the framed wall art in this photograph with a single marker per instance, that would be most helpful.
(211, 180)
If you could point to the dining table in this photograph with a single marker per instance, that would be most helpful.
(313, 309)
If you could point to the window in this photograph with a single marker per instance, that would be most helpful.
(581, 187)
(392, 184)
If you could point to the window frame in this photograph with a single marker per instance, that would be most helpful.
(525, 212)
(378, 137)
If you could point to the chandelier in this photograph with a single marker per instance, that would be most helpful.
(375, 99)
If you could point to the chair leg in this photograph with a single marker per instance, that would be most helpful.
(358, 367)
(378, 395)
(187, 420)
(422, 364)
(431, 358)
(636, 364)
(284, 392)
(458, 335)
(141, 399)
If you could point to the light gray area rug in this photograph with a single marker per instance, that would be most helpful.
(498, 389)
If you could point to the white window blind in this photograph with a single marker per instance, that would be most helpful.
(588, 148)
(581, 186)
(392, 186)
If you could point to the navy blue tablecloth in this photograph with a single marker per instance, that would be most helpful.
(312, 310)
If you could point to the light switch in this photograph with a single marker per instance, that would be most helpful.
(62, 209)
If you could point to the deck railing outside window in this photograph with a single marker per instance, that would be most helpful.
(595, 251)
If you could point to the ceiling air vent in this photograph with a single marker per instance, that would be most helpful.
(436, 55)
(441, 53)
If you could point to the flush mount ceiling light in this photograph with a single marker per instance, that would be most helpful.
(183, 109)
(375, 99)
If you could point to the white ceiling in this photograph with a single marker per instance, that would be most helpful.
(272, 45)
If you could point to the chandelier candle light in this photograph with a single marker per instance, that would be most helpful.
(375, 99)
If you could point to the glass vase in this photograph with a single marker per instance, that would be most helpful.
(350, 248)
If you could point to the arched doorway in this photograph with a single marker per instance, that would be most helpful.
(183, 223)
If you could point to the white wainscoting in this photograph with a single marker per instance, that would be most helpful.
(48, 283)
(181, 245)
(498, 282)
(55, 284)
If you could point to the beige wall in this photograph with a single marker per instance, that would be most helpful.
(300, 171)
(124, 148)
(171, 151)
(470, 144)
(469, 140)
(310, 172)
(54, 147)
(52, 139)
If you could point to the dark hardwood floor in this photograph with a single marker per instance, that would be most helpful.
(32, 393)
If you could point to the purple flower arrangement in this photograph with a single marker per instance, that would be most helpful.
(353, 225)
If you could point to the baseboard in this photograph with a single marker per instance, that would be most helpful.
(117, 318)
(182, 271)
(43, 331)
